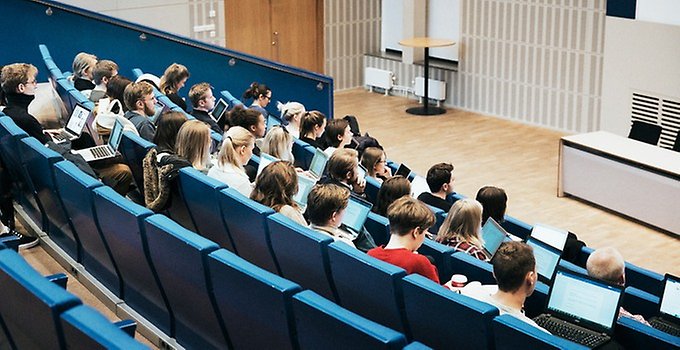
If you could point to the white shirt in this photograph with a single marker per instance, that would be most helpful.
(233, 176)
(330, 150)
(337, 234)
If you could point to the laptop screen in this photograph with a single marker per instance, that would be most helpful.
(318, 163)
(418, 186)
(78, 119)
(116, 135)
(670, 300)
(218, 110)
(546, 257)
(265, 160)
(305, 185)
(403, 170)
(582, 300)
(356, 213)
(554, 237)
(493, 235)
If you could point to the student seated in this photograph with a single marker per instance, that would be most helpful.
(250, 120)
(514, 268)
(440, 181)
(115, 90)
(278, 143)
(261, 96)
(203, 101)
(275, 187)
(312, 127)
(338, 135)
(326, 206)
(292, 113)
(608, 265)
(374, 160)
(409, 220)
(391, 190)
(103, 71)
(174, 78)
(494, 202)
(237, 147)
(193, 144)
(83, 64)
(141, 104)
(462, 228)
(342, 169)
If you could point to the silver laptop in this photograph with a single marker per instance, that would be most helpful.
(305, 185)
(318, 164)
(219, 110)
(669, 309)
(356, 213)
(555, 237)
(265, 159)
(74, 127)
(547, 259)
(493, 236)
(581, 309)
(105, 151)
(418, 186)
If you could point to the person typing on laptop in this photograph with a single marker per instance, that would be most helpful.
(326, 205)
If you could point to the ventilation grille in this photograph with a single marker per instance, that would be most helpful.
(656, 109)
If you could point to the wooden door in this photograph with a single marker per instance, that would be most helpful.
(248, 27)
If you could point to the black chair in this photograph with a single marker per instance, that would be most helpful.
(645, 132)
(676, 146)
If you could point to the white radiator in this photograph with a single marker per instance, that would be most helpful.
(437, 88)
(374, 77)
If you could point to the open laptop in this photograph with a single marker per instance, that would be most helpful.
(581, 309)
(555, 237)
(104, 151)
(74, 127)
(418, 186)
(546, 257)
(669, 309)
(356, 213)
(265, 159)
(219, 110)
(318, 164)
(493, 235)
(305, 185)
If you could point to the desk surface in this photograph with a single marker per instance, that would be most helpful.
(426, 42)
(639, 152)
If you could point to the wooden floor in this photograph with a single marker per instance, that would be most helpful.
(520, 158)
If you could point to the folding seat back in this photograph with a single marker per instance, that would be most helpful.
(417, 346)
(473, 268)
(230, 99)
(441, 254)
(512, 333)
(272, 121)
(64, 88)
(44, 51)
(31, 317)
(379, 227)
(639, 302)
(121, 223)
(179, 257)
(75, 188)
(372, 189)
(136, 72)
(303, 154)
(201, 195)
(254, 304)
(368, 286)
(636, 335)
(302, 254)
(85, 328)
(177, 208)
(439, 216)
(134, 149)
(322, 324)
(440, 318)
(247, 224)
(516, 227)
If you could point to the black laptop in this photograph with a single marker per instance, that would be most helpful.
(669, 309)
(547, 259)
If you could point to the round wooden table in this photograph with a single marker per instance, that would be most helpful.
(426, 43)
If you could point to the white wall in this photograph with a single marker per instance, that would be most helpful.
(641, 56)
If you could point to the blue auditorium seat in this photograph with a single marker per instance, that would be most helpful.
(473, 268)
(417, 346)
(247, 224)
(180, 259)
(635, 335)
(121, 224)
(85, 328)
(31, 317)
(639, 302)
(439, 216)
(272, 120)
(303, 154)
(302, 254)
(201, 195)
(572, 267)
(177, 208)
(321, 324)
(44, 51)
(372, 189)
(516, 227)
(230, 99)
(441, 254)
(134, 149)
(136, 73)
(379, 227)
(441, 318)
(39, 161)
(64, 88)
(510, 333)
(75, 188)
(254, 304)
(368, 286)
(535, 304)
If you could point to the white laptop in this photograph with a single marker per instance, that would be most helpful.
(265, 159)
(318, 164)
(305, 185)
(552, 236)
(356, 213)
(419, 185)
(547, 258)
(104, 151)
(74, 127)
(219, 110)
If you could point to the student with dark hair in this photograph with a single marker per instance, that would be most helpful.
(391, 190)
(203, 101)
(174, 78)
(115, 90)
(374, 160)
(261, 96)
(275, 187)
(409, 220)
(440, 181)
(343, 169)
(326, 206)
(250, 120)
(168, 126)
(494, 202)
(312, 127)
(338, 135)
(103, 71)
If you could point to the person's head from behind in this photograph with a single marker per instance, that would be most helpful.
(291, 112)
(167, 128)
(494, 201)
(83, 65)
(514, 268)
(249, 119)
(103, 71)
(174, 78)
(139, 97)
(193, 143)
(260, 93)
(278, 143)
(608, 265)
(312, 124)
(408, 216)
(115, 89)
(343, 166)
(374, 160)
(326, 204)
(338, 133)
(201, 97)
(464, 222)
(276, 185)
(19, 78)
(440, 178)
(237, 147)
(391, 190)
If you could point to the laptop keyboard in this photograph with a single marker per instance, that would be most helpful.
(100, 152)
(665, 327)
(570, 332)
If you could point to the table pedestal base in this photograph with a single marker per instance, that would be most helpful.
(429, 110)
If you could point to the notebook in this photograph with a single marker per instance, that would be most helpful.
(356, 213)
(318, 164)
(305, 185)
(581, 309)
(74, 127)
(546, 257)
(493, 235)
(105, 151)
(403, 170)
(219, 110)
(555, 237)
(669, 309)
(265, 159)
(418, 186)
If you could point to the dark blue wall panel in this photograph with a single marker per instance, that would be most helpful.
(621, 8)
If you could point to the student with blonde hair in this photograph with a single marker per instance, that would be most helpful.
(174, 78)
(462, 228)
(275, 187)
(83, 65)
(292, 112)
(193, 144)
(278, 143)
(326, 206)
(374, 160)
(237, 148)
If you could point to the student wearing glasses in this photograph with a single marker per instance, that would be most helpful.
(261, 96)
(374, 160)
